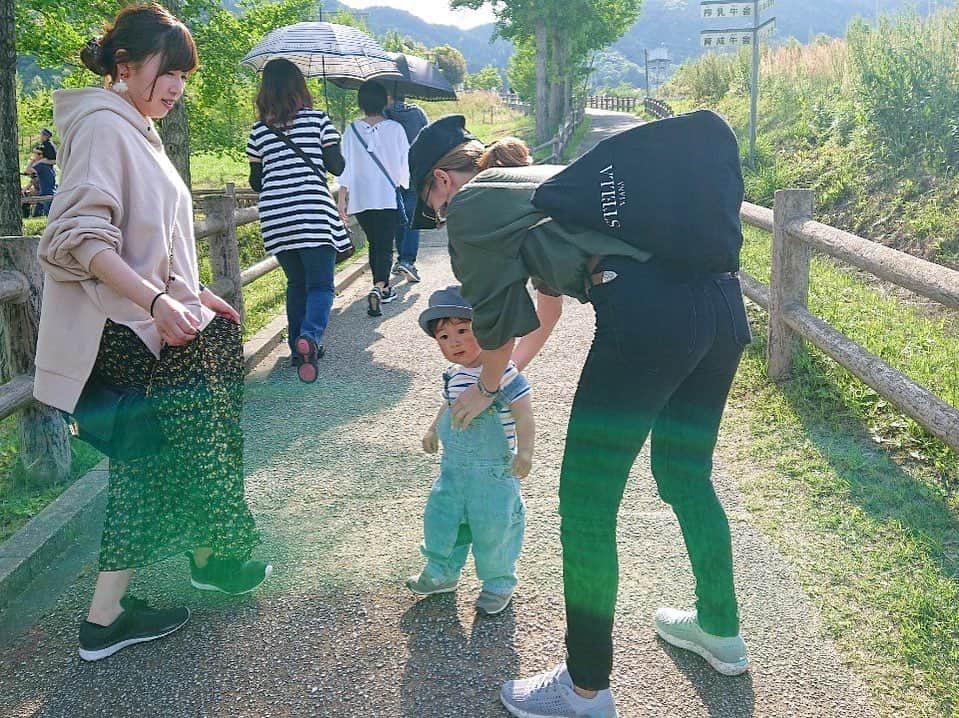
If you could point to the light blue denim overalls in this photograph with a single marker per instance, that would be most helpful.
(476, 500)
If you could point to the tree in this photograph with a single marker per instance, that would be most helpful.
(11, 223)
(451, 63)
(486, 79)
(562, 38)
(394, 42)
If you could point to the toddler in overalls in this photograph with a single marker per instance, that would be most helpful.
(476, 499)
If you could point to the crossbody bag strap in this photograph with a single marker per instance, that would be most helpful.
(298, 152)
(372, 154)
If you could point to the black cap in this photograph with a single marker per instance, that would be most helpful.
(45, 131)
(445, 303)
(432, 142)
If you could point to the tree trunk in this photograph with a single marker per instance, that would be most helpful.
(557, 75)
(174, 128)
(175, 132)
(11, 221)
(542, 90)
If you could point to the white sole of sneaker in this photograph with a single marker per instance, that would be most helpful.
(520, 713)
(211, 587)
(727, 669)
(451, 589)
(497, 611)
(410, 277)
(110, 650)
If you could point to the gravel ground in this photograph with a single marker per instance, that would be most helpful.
(337, 481)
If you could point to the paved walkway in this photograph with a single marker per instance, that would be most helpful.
(337, 480)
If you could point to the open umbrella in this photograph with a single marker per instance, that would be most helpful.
(420, 79)
(325, 49)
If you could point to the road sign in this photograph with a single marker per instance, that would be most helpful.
(714, 9)
(739, 37)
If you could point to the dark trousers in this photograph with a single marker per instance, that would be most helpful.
(666, 348)
(380, 226)
(309, 290)
(408, 240)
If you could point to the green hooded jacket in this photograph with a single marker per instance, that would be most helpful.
(498, 241)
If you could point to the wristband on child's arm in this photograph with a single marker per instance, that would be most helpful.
(483, 390)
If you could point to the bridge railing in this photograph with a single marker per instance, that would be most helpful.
(795, 235)
(43, 437)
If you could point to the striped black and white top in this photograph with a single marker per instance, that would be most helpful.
(297, 209)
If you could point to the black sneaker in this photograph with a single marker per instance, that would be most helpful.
(408, 270)
(387, 295)
(229, 575)
(137, 624)
(374, 299)
(396, 269)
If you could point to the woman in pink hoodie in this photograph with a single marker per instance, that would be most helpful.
(123, 307)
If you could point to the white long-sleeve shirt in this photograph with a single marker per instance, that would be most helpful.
(367, 187)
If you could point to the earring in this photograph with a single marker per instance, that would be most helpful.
(120, 85)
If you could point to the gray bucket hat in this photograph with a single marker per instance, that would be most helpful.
(445, 303)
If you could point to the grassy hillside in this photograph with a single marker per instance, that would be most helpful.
(869, 123)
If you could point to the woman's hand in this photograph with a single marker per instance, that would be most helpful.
(211, 301)
(177, 326)
(471, 403)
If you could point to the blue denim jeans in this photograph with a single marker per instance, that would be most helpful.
(408, 240)
(475, 501)
(309, 290)
(666, 349)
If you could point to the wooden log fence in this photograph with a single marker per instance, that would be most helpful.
(613, 102)
(795, 236)
(43, 435)
(560, 141)
(657, 108)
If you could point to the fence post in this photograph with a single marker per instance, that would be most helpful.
(224, 252)
(44, 440)
(788, 281)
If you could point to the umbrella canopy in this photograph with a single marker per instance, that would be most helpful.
(325, 49)
(420, 79)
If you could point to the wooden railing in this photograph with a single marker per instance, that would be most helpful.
(795, 235)
(657, 108)
(612, 102)
(560, 141)
(44, 440)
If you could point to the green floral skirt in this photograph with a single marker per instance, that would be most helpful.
(191, 494)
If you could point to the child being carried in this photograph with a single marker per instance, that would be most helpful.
(476, 499)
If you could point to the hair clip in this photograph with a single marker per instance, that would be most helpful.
(93, 44)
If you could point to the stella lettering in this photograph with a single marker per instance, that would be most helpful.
(608, 197)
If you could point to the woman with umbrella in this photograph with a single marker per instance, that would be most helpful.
(290, 149)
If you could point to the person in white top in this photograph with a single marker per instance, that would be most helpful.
(375, 150)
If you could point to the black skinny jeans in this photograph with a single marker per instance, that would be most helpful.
(380, 227)
(666, 349)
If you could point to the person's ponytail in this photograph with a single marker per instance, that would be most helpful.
(505, 152)
(92, 57)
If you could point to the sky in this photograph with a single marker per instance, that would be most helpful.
(434, 11)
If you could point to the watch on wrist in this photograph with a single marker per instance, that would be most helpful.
(483, 390)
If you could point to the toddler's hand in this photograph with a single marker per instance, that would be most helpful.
(430, 442)
(522, 463)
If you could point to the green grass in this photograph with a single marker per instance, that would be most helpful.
(20, 498)
(859, 499)
(212, 171)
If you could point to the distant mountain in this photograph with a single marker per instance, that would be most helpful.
(673, 23)
(473, 43)
(677, 23)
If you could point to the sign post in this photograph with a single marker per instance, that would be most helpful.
(740, 37)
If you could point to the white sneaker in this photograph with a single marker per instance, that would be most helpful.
(551, 695)
(681, 629)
